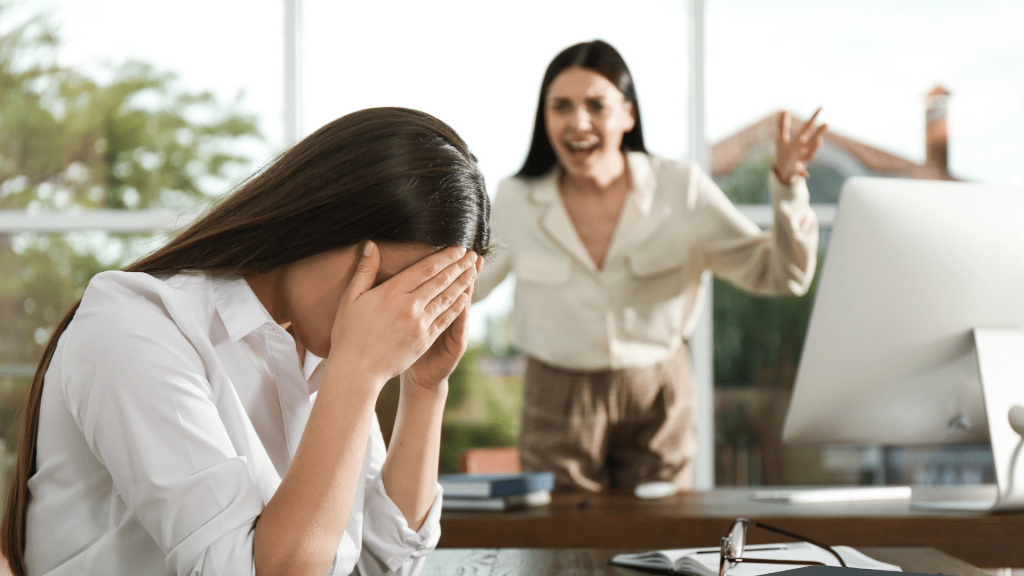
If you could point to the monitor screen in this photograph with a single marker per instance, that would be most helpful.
(912, 268)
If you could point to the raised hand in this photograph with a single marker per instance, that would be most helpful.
(792, 155)
(438, 362)
(381, 331)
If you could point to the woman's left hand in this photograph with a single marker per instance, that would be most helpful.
(437, 363)
(792, 155)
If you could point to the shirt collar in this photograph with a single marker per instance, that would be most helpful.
(545, 191)
(238, 306)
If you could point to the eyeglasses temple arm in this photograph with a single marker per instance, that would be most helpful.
(772, 561)
(804, 538)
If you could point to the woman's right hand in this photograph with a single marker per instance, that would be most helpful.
(380, 331)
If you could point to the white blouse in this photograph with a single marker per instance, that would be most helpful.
(170, 412)
(645, 299)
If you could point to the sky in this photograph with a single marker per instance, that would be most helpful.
(478, 66)
(869, 64)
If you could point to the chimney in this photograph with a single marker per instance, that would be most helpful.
(935, 131)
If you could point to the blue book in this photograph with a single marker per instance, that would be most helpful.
(528, 500)
(495, 485)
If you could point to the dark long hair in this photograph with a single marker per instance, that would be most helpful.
(600, 57)
(384, 174)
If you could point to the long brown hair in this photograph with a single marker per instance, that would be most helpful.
(383, 174)
(600, 57)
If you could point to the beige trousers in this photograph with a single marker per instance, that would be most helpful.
(610, 428)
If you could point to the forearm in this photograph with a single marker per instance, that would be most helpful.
(795, 234)
(302, 525)
(774, 263)
(410, 470)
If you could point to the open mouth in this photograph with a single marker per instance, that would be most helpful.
(581, 145)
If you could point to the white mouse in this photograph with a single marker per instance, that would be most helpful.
(1016, 417)
(654, 490)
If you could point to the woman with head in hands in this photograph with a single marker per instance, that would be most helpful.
(608, 243)
(171, 426)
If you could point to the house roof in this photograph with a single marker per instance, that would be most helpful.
(732, 151)
(938, 91)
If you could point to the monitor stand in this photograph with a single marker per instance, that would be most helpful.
(1001, 367)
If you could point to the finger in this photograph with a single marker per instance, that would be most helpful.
(444, 300)
(820, 132)
(479, 267)
(460, 327)
(456, 336)
(444, 279)
(805, 132)
(800, 169)
(811, 147)
(784, 121)
(416, 275)
(448, 316)
(814, 116)
(817, 135)
(366, 271)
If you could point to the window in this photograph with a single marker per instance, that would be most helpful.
(479, 69)
(112, 132)
(878, 69)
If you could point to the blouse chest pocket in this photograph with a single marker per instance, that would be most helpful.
(648, 263)
(543, 269)
(652, 305)
(657, 275)
(544, 302)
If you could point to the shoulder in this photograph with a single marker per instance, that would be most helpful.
(130, 333)
(513, 187)
(670, 171)
(514, 184)
(120, 294)
(117, 282)
(513, 194)
(676, 182)
(125, 295)
(124, 311)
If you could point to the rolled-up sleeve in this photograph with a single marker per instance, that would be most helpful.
(138, 391)
(778, 262)
(390, 546)
(232, 551)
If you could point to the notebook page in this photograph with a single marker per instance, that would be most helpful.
(792, 551)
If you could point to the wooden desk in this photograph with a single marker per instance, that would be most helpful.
(540, 562)
(697, 519)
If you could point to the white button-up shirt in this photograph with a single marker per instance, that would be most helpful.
(170, 412)
(645, 299)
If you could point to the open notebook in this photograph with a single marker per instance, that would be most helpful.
(704, 561)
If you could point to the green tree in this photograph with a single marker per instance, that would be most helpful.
(757, 347)
(748, 182)
(71, 143)
(758, 340)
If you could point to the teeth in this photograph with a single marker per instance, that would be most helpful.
(584, 145)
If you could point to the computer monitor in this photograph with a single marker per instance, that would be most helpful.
(913, 267)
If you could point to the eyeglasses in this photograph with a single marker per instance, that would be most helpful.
(733, 544)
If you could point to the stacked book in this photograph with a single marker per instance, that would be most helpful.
(496, 491)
